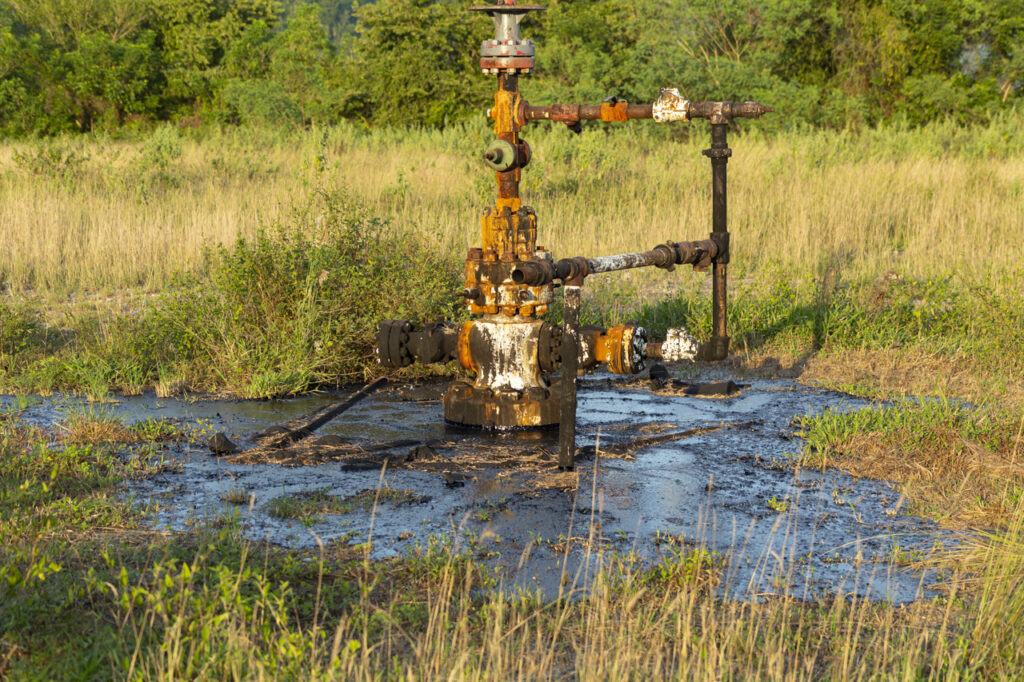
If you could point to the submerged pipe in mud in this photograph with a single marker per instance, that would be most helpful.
(510, 281)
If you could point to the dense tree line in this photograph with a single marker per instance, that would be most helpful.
(81, 65)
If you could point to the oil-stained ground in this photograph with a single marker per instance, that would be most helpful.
(659, 469)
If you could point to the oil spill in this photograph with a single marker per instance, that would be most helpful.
(725, 484)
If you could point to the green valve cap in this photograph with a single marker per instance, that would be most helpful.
(500, 155)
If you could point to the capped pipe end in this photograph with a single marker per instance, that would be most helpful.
(679, 345)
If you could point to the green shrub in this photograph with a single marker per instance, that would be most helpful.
(295, 307)
(18, 326)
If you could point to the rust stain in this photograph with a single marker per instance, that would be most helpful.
(465, 355)
(615, 112)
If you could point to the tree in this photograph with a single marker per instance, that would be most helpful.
(196, 34)
(414, 61)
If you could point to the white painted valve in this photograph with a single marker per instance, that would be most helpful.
(679, 345)
(671, 106)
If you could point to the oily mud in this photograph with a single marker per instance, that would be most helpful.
(658, 467)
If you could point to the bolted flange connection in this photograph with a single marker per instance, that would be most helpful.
(509, 356)
(510, 352)
(507, 52)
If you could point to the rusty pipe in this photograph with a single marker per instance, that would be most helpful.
(723, 112)
(717, 348)
(671, 106)
(573, 113)
(570, 365)
(667, 255)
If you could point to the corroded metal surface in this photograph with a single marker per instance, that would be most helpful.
(501, 410)
(678, 346)
(717, 347)
(510, 281)
(671, 106)
(570, 342)
(574, 113)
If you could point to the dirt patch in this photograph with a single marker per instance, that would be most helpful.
(957, 482)
(893, 373)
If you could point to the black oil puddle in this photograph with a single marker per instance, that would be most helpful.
(729, 489)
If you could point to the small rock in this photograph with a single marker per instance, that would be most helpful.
(454, 480)
(222, 445)
(421, 452)
(657, 372)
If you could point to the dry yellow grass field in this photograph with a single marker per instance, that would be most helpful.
(98, 215)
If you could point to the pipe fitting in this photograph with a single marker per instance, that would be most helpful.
(400, 343)
(622, 348)
(670, 106)
(678, 345)
(501, 155)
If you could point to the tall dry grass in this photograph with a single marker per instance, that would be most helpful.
(101, 214)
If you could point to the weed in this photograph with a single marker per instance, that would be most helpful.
(309, 506)
(54, 159)
(955, 463)
(296, 307)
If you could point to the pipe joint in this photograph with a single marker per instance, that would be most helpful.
(400, 343)
(721, 243)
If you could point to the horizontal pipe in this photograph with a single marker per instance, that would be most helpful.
(716, 112)
(626, 261)
(538, 273)
(572, 113)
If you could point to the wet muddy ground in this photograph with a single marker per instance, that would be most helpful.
(658, 469)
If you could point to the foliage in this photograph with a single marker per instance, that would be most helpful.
(939, 315)
(105, 64)
(296, 306)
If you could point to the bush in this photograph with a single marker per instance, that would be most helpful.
(296, 307)
(18, 328)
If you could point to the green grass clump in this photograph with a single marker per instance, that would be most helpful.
(955, 463)
(309, 506)
(777, 310)
(295, 307)
(920, 422)
(292, 309)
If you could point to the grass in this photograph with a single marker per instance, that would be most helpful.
(256, 263)
(956, 464)
(289, 310)
(104, 598)
(309, 506)
(102, 215)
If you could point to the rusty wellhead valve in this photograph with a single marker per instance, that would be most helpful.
(511, 281)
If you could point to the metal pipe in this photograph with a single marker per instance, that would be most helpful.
(721, 112)
(717, 347)
(670, 107)
(572, 113)
(538, 273)
(508, 181)
(570, 364)
(662, 257)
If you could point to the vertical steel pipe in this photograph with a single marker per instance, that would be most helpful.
(718, 346)
(570, 365)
